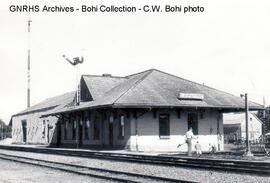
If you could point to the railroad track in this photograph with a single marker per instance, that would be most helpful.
(112, 175)
(213, 164)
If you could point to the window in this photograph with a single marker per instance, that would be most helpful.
(121, 127)
(66, 130)
(24, 130)
(96, 129)
(44, 128)
(164, 125)
(86, 129)
(74, 126)
(193, 122)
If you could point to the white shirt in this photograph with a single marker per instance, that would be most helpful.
(189, 134)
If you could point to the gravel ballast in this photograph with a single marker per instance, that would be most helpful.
(198, 175)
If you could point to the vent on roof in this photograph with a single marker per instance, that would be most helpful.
(190, 96)
(106, 75)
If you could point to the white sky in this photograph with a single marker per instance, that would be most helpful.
(226, 47)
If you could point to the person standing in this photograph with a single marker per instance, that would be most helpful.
(219, 138)
(198, 148)
(189, 137)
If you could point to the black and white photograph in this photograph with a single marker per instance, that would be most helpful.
(134, 91)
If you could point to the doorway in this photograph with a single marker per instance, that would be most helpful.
(24, 130)
(80, 133)
(111, 134)
(193, 122)
(59, 133)
(48, 133)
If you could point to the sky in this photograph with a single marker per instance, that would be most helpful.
(226, 47)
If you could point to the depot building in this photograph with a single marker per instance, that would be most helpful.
(147, 111)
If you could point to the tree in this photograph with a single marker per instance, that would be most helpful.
(2, 122)
(265, 118)
(6, 131)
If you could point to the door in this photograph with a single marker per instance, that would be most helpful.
(59, 133)
(193, 122)
(48, 133)
(80, 133)
(111, 134)
(24, 130)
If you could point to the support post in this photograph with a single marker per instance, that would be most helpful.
(28, 65)
(1, 132)
(136, 129)
(248, 152)
(137, 136)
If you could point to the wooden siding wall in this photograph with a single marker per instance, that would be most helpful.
(37, 132)
(147, 138)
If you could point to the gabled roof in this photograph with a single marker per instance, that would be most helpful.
(236, 118)
(99, 85)
(50, 104)
(154, 88)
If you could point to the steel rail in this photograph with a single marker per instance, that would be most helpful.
(205, 163)
(79, 168)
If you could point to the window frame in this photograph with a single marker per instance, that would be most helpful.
(121, 128)
(86, 128)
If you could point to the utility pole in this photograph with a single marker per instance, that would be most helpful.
(2, 131)
(248, 152)
(28, 63)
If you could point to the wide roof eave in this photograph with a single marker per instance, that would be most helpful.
(75, 109)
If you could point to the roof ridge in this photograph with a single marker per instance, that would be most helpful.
(92, 75)
(200, 84)
(32, 108)
(136, 83)
(58, 96)
(139, 73)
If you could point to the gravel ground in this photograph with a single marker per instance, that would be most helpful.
(198, 175)
(225, 156)
(22, 173)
